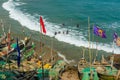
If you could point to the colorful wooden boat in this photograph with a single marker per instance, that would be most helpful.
(89, 74)
(108, 73)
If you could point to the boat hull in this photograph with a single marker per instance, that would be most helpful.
(106, 77)
(88, 74)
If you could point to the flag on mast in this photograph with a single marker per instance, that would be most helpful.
(116, 39)
(115, 36)
(99, 32)
(43, 29)
(18, 57)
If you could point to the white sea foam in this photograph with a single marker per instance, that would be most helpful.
(32, 23)
(64, 58)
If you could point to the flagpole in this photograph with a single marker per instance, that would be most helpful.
(83, 53)
(92, 44)
(40, 40)
(8, 46)
(9, 42)
(96, 52)
(89, 39)
(89, 46)
(96, 47)
(23, 31)
(112, 61)
(41, 47)
(3, 27)
(51, 48)
(41, 53)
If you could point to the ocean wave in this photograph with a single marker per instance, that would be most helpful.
(29, 21)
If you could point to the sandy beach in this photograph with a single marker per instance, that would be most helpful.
(53, 51)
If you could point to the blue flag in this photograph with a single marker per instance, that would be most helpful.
(18, 56)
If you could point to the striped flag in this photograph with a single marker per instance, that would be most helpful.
(43, 29)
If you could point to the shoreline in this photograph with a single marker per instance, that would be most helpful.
(73, 38)
(71, 52)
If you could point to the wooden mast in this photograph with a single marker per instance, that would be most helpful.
(41, 50)
(51, 48)
(3, 28)
(112, 58)
(8, 41)
(92, 43)
(41, 40)
(89, 49)
(89, 40)
(96, 53)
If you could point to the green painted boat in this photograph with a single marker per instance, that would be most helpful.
(28, 54)
(89, 74)
(109, 73)
(54, 73)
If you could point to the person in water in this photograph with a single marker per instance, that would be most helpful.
(77, 25)
(63, 24)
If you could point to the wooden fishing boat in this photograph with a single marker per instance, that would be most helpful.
(3, 39)
(88, 73)
(28, 53)
(22, 44)
(54, 72)
(85, 71)
(104, 62)
(69, 73)
(82, 64)
(108, 73)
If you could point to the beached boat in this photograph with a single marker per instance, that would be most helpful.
(22, 44)
(27, 51)
(2, 39)
(86, 72)
(69, 73)
(89, 73)
(108, 73)
(82, 64)
(55, 71)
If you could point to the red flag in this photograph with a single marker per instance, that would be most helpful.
(42, 25)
